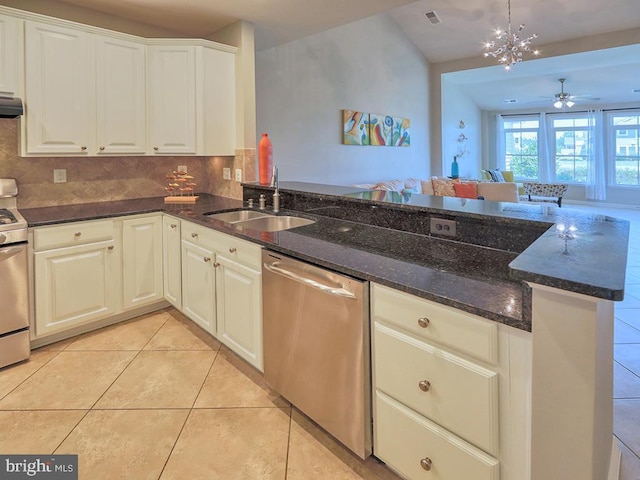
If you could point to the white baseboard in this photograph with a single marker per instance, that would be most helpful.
(614, 463)
(121, 317)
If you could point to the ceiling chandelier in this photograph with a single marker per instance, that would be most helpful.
(508, 47)
(562, 98)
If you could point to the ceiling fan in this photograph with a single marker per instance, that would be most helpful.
(565, 99)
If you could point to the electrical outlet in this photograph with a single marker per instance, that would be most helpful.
(59, 175)
(238, 174)
(440, 226)
(182, 168)
(226, 173)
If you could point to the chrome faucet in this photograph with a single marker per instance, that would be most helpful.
(276, 194)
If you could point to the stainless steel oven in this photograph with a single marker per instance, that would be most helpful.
(14, 284)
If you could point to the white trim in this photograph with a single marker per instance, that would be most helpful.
(36, 17)
(614, 465)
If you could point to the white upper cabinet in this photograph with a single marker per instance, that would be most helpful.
(192, 100)
(85, 93)
(57, 62)
(172, 99)
(9, 55)
(120, 96)
(219, 73)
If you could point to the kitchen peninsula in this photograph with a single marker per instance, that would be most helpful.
(505, 267)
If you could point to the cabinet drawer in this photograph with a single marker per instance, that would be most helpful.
(238, 250)
(466, 333)
(447, 389)
(449, 456)
(79, 233)
(197, 235)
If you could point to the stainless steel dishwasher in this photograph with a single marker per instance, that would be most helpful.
(316, 346)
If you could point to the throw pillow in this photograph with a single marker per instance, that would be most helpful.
(443, 187)
(496, 175)
(413, 184)
(393, 185)
(466, 190)
(427, 186)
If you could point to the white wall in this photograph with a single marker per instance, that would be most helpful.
(303, 86)
(459, 106)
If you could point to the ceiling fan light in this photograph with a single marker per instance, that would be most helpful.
(557, 104)
(570, 104)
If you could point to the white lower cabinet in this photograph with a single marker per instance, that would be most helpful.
(171, 261)
(222, 288)
(436, 389)
(76, 275)
(93, 270)
(239, 309)
(199, 285)
(142, 261)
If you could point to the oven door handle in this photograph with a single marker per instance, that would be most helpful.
(338, 292)
(6, 253)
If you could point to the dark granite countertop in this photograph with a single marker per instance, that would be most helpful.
(481, 280)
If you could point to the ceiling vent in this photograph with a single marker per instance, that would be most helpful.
(432, 17)
(635, 90)
(510, 100)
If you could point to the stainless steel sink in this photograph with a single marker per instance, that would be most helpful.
(238, 216)
(274, 224)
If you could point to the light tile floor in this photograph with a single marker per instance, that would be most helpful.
(626, 372)
(156, 398)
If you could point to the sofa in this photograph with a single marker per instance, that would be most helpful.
(447, 187)
(533, 192)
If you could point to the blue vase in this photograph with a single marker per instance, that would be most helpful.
(454, 168)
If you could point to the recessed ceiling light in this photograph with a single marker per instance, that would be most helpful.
(432, 17)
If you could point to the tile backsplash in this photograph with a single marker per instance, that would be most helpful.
(100, 179)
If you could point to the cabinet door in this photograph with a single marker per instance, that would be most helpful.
(74, 286)
(219, 101)
(239, 307)
(199, 286)
(172, 99)
(120, 96)
(171, 260)
(58, 88)
(142, 261)
(9, 54)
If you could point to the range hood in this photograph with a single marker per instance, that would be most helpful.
(10, 107)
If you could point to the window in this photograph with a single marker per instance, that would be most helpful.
(520, 137)
(570, 148)
(624, 141)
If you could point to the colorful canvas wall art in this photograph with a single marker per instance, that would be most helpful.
(356, 128)
(375, 129)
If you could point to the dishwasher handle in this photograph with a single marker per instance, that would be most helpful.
(338, 292)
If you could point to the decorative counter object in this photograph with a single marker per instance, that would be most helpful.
(180, 188)
(455, 173)
(265, 159)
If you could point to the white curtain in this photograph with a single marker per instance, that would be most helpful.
(500, 147)
(546, 157)
(596, 187)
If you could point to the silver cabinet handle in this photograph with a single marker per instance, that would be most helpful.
(110, 247)
(232, 250)
(424, 385)
(102, 149)
(156, 148)
(77, 234)
(423, 322)
(194, 235)
(338, 292)
(426, 463)
(207, 259)
(83, 148)
(173, 225)
(216, 264)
